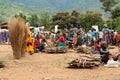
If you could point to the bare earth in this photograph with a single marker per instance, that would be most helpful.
(51, 66)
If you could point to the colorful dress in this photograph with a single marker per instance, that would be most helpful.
(29, 47)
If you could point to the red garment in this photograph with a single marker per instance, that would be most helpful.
(111, 35)
(74, 40)
(97, 46)
(61, 39)
(36, 42)
(118, 37)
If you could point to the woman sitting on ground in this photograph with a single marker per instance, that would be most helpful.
(42, 45)
(105, 55)
(60, 41)
(36, 43)
(96, 47)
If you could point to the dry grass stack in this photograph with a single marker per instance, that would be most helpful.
(1, 64)
(17, 35)
(84, 61)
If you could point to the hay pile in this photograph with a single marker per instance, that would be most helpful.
(85, 50)
(56, 50)
(17, 36)
(111, 47)
(84, 61)
(1, 64)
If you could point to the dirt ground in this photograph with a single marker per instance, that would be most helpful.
(42, 66)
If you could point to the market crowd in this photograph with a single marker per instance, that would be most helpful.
(72, 37)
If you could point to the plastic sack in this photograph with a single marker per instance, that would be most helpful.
(112, 64)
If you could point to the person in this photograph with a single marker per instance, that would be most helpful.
(74, 39)
(106, 37)
(100, 35)
(57, 35)
(60, 41)
(36, 30)
(92, 36)
(79, 40)
(43, 44)
(29, 48)
(70, 35)
(105, 29)
(118, 39)
(97, 47)
(36, 43)
(112, 37)
(1, 37)
(104, 52)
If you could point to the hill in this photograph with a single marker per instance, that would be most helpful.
(8, 9)
(12, 7)
(60, 5)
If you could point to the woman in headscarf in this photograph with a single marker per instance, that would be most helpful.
(60, 41)
(29, 47)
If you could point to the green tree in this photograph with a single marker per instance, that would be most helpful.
(23, 16)
(91, 18)
(116, 12)
(108, 4)
(74, 17)
(1, 19)
(62, 19)
(116, 23)
(33, 19)
(45, 20)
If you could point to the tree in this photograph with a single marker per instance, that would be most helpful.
(22, 16)
(116, 12)
(91, 18)
(108, 4)
(74, 17)
(116, 23)
(61, 18)
(33, 19)
(45, 20)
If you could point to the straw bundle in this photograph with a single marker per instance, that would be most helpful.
(17, 35)
(84, 62)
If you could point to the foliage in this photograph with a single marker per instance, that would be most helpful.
(92, 18)
(116, 12)
(14, 7)
(34, 20)
(1, 19)
(61, 18)
(45, 20)
(60, 5)
(116, 23)
(8, 9)
(21, 15)
(108, 4)
(74, 17)
(85, 20)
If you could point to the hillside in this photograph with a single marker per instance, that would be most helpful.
(8, 9)
(12, 7)
(60, 5)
